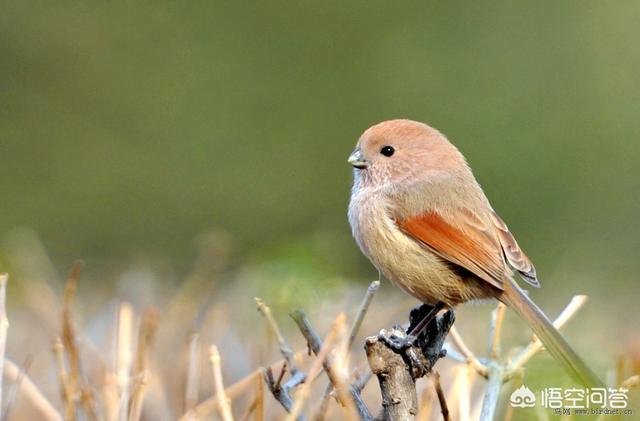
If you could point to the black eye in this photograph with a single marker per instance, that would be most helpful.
(387, 150)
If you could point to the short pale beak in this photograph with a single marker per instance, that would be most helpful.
(357, 160)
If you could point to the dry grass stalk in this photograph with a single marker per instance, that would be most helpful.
(339, 369)
(145, 338)
(259, 401)
(29, 390)
(4, 326)
(316, 367)
(124, 357)
(257, 405)
(146, 333)
(206, 407)
(14, 386)
(79, 388)
(135, 405)
(193, 372)
(223, 401)
(110, 395)
(65, 387)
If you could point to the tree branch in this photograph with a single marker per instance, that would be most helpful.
(398, 361)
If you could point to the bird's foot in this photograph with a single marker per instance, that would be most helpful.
(403, 344)
(422, 351)
(396, 341)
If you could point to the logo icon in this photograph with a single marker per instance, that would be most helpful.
(523, 397)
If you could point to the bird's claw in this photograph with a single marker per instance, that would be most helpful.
(422, 351)
(396, 342)
(405, 345)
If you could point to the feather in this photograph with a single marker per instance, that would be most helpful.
(467, 243)
(513, 253)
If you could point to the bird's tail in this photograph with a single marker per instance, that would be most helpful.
(515, 298)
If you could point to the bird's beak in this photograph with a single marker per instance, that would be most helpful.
(357, 160)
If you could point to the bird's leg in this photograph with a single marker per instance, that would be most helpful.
(421, 343)
(419, 318)
(418, 315)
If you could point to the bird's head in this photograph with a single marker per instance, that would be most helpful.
(398, 150)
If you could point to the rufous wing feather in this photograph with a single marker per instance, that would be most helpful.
(467, 243)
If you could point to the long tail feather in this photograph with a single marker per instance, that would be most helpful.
(515, 298)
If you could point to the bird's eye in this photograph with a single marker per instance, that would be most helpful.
(387, 151)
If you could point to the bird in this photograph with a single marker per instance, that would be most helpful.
(420, 216)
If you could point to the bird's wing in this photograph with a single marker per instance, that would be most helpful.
(513, 253)
(469, 243)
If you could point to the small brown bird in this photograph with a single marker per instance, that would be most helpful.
(418, 213)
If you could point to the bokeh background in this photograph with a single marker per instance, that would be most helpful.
(137, 135)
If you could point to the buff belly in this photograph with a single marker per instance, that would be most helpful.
(412, 266)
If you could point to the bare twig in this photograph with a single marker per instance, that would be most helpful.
(362, 310)
(283, 371)
(31, 392)
(444, 408)
(495, 330)
(285, 349)
(355, 327)
(467, 353)
(315, 344)
(320, 361)
(517, 382)
(223, 401)
(362, 380)
(4, 326)
(281, 392)
(490, 402)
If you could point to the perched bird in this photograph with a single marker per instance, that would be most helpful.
(419, 215)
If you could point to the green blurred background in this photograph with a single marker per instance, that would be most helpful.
(130, 129)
